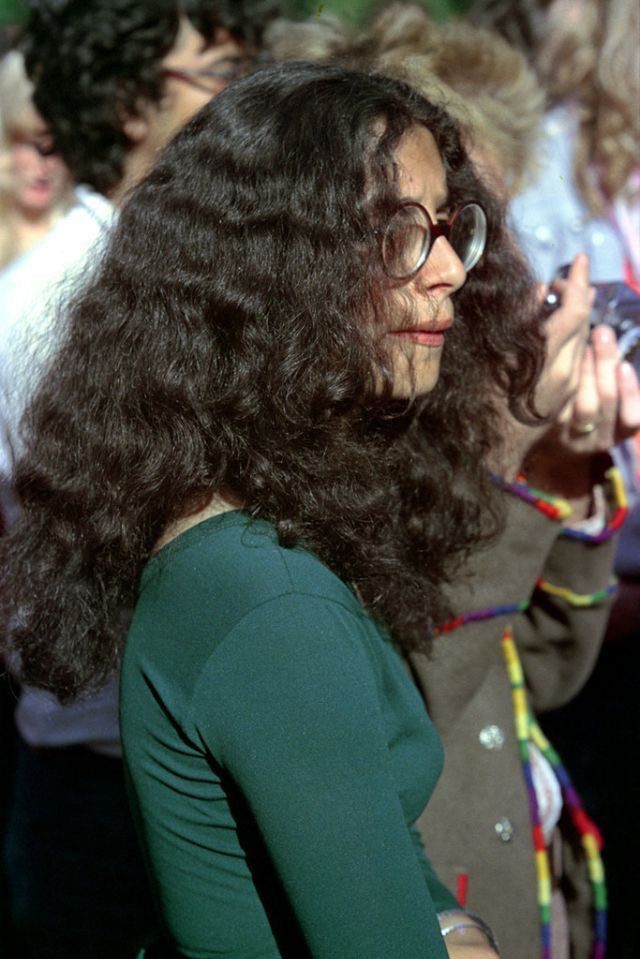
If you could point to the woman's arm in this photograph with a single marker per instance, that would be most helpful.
(291, 706)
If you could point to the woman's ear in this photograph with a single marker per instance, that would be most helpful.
(136, 128)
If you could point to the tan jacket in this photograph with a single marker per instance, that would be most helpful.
(478, 819)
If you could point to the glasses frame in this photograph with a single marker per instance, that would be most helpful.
(195, 78)
(439, 228)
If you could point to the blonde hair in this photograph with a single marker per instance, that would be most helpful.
(484, 82)
(593, 59)
(586, 55)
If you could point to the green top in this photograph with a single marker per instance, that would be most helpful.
(278, 755)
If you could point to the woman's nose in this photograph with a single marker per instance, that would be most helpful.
(443, 266)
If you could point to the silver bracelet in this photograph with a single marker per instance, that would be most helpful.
(468, 921)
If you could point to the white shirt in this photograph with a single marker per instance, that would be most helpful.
(551, 219)
(33, 290)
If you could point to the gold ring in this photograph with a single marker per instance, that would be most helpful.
(585, 429)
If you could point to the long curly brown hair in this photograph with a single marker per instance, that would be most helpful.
(228, 343)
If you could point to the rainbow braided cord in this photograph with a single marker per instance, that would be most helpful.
(620, 510)
(511, 609)
(577, 599)
(590, 839)
(491, 612)
(558, 509)
(553, 507)
(527, 732)
(523, 735)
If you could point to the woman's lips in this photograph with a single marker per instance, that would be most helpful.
(434, 336)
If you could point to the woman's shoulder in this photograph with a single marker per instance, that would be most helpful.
(235, 552)
(225, 570)
(226, 592)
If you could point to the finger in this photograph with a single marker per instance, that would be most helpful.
(569, 323)
(585, 409)
(574, 295)
(579, 270)
(629, 401)
(576, 298)
(607, 360)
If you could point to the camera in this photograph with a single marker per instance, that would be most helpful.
(616, 305)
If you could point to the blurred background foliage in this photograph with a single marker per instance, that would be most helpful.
(357, 10)
(14, 11)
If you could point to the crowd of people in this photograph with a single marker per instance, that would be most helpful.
(313, 469)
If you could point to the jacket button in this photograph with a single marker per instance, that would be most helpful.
(491, 737)
(504, 829)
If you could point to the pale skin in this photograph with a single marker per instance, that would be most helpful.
(415, 362)
(582, 383)
(41, 183)
(157, 123)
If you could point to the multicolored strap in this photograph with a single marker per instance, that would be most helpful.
(559, 510)
(581, 600)
(553, 507)
(479, 615)
(620, 511)
(527, 732)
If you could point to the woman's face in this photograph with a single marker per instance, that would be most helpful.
(39, 181)
(415, 350)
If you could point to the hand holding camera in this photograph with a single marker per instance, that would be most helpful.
(592, 394)
(604, 407)
(615, 304)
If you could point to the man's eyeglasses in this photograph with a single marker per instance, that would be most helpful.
(411, 233)
(210, 79)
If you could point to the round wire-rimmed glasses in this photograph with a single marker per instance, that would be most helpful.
(410, 234)
(209, 79)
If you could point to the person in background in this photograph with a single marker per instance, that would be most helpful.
(587, 196)
(113, 81)
(35, 193)
(482, 80)
(538, 599)
(268, 325)
(35, 186)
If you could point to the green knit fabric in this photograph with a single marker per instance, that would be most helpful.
(278, 755)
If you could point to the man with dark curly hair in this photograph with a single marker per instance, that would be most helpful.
(114, 80)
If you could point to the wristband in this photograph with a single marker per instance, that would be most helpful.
(468, 921)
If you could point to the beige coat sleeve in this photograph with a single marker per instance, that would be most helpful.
(477, 822)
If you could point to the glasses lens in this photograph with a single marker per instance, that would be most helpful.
(406, 242)
(231, 68)
(469, 234)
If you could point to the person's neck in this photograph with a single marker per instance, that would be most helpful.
(136, 166)
(29, 227)
(215, 506)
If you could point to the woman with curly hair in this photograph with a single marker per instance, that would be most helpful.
(522, 585)
(116, 78)
(245, 434)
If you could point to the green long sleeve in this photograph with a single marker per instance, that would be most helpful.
(278, 757)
